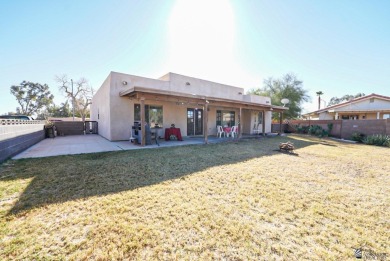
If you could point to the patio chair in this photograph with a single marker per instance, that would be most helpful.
(257, 129)
(220, 131)
(233, 131)
(154, 137)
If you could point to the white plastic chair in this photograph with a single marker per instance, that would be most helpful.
(233, 131)
(220, 131)
(257, 130)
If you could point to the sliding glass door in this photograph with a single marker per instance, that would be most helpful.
(194, 122)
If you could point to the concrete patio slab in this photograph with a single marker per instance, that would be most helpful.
(79, 144)
(68, 145)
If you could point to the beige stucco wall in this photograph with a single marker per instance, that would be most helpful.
(121, 109)
(115, 114)
(256, 99)
(268, 121)
(132, 80)
(247, 117)
(372, 116)
(325, 116)
(100, 108)
(367, 116)
(205, 88)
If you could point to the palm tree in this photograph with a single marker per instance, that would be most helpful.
(319, 98)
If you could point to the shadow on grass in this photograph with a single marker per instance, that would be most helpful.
(327, 144)
(63, 178)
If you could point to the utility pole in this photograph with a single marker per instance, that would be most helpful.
(72, 100)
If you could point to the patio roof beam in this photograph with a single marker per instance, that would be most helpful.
(241, 105)
(161, 95)
(200, 102)
(143, 141)
(262, 123)
(205, 121)
(239, 124)
(166, 98)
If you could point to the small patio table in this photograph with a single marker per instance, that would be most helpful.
(227, 129)
(173, 131)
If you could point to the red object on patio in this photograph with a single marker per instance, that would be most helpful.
(227, 129)
(173, 131)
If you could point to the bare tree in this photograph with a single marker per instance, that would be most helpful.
(79, 93)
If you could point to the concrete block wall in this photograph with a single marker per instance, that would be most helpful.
(367, 127)
(336, 129)
(11, 130)
(12, 146)
(18, 135)
(345, 128)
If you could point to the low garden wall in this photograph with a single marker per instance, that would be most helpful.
(18, 135)
(341, 128)
(366, 127)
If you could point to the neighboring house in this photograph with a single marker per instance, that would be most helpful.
(368, 107)
(195, 106)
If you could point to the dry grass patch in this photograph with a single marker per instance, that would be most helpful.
(233, 201)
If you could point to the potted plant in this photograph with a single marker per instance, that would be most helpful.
(50, 129)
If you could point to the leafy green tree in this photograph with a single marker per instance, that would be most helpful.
(32, 97)
(286, 87)
(347, 97)
(63, 110)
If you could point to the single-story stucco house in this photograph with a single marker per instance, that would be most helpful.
(368, 107)
(194, 105)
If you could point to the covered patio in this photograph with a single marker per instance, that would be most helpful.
(207, 104)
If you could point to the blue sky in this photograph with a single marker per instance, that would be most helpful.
(337, 47)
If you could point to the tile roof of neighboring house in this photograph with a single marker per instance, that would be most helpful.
(373, 95)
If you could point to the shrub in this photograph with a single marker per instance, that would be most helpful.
(313, 129)
(302, 129)
(359, 137)
(377, 140)
(317, 131)
(305, 129)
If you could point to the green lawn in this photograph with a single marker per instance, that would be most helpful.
(229, 201)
